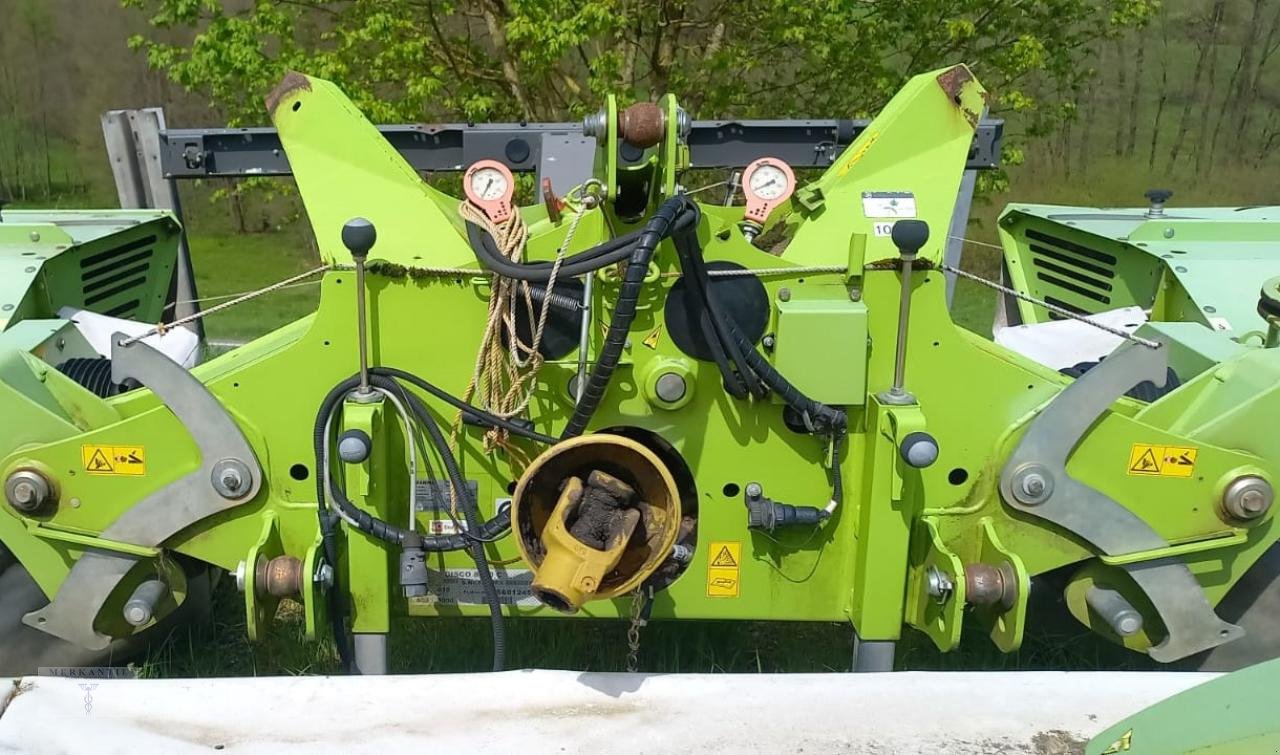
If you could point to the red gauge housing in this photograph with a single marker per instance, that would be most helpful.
(490, 186)
(767, 183)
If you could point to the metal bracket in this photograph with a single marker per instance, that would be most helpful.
(1035, 481)
(165, 512)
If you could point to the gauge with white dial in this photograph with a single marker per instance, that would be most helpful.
(488, 185)
(767, 183)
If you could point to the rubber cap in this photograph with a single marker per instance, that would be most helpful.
(354, 446)
(359, 236)
(919, 450)
(909, 235)
(1158, 196)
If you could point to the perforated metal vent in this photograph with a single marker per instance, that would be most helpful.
(1071, 275)
(114, 280)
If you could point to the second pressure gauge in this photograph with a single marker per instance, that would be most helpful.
(489, 185)
(767, 183)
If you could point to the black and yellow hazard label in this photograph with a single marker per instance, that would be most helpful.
(724, 564)
(651, 340)
(130, 461)
(1162, 461)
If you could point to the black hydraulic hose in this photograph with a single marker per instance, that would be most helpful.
(391, 533)
(485, 417)
(608, 253)
(690, 254)
(372, 525)
(624, 311)
(470, 512)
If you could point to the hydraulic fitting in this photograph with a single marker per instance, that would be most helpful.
(768, 515)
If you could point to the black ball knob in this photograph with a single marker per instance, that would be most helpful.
(359, 236)
(1158, 196)
(909, 236)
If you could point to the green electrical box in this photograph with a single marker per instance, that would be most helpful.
(821, 347)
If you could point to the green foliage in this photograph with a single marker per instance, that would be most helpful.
(552, 59)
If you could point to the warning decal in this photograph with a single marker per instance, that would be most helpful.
(1162, 461)
(724, 561)
(130, 461)
(651, 340)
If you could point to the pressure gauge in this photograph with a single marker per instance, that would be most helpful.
(489, 185)
(767, 182)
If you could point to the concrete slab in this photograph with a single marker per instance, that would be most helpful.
(570, 712)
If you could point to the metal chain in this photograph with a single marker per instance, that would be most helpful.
(1051, 307)
(162, 328)
(638, 600)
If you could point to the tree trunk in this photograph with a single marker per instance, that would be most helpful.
(1203, 133)
(1136, 97)
(498, 35)
(1240, 78)
(1163, 97)
(1250, 99)
(1121, 126)
(1184, 123)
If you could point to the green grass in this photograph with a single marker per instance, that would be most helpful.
(228, 264)
(221, 648)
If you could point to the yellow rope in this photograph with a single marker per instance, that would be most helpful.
(504, 380)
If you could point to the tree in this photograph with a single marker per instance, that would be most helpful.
(553, 59)
(1206, 44)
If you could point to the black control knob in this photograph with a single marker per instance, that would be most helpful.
(1158, 196)
(909, 236)
(359, 236)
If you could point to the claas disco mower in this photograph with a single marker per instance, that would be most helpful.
(618, 401)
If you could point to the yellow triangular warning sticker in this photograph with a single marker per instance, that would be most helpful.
(1146, 462)
(724, 558)
(651, 340)
(98, 462)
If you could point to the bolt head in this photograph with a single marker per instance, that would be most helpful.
(1032, 486)
(23, 493)
(231, 480)
(784, 294)
(754, 490)
(1247, 498)
(28, 491)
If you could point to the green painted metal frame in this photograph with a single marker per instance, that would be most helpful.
(864, 565)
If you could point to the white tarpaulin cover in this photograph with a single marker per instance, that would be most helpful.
(1065, 343)
(569, 712)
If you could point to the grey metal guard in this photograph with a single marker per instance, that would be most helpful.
(1113, 529)
(168, 510)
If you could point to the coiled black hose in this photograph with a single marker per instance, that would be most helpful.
(472, 540)
(661, 225)
(590, 260)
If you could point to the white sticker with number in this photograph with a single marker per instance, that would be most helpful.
(883, 227)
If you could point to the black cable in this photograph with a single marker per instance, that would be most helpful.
(608, 253)
(659, 227)
(470, 512)
(388, 532)
(690, 253)
(481, 415)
